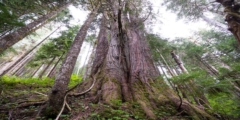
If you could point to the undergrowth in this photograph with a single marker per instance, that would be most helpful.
(38, 82)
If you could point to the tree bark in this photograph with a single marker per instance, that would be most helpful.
(128, 73)
(232, 17)
(179, 62)
(12, 38)
(56, 97)
(102, 47)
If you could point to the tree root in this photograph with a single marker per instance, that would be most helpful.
(73, 94)
(31, 103)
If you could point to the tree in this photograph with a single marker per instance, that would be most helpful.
(58, 47)
(59, 89)
(28, 52)
(127, 73)
(12, 38)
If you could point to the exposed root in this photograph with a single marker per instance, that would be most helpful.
(192, 110)
(82, 93)
(32, 103)
(73, 94)
(40, 94)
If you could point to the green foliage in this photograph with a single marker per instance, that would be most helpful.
(158, 46)
(58, 46)
(7, 17)
(110, 114)
(185, 8)
(13, 81)
(224, 104)
(75, 79)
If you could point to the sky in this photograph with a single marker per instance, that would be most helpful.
(167, 24)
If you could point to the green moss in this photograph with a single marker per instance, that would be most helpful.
(12, 81)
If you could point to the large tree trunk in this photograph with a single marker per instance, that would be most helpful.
(127, 73)
(231, 8)
(12, 38)
(56, 97)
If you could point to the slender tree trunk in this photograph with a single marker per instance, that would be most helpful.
(209, 67)
(20, 71)
(56, 97)
(12, 38)
(23, 63)
(37, 69)
(90, 61)
(214, 23)
(27, 53)
(45, 69)
(85, 61)
(179, 62)
(22, 68)
(51, 72)
(198, 96)
(169, 69)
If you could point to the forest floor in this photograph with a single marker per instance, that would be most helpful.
(23, 101)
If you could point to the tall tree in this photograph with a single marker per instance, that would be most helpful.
(12, 38)
(59, 89)
(128, 73)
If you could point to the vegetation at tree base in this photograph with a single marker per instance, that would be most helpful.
(129, 72)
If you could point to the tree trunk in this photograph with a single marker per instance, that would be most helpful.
(27, 53)
(84, 67)
(90, 60)
(12, 38)
(22, 63)
(179, 62)
(56, 97)
(102, 47)
(211, 69)
(214, 23)
(198, 96)
(232, 17)
(45, 69)
(37, 69)
(128, 73)
(51, 72)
